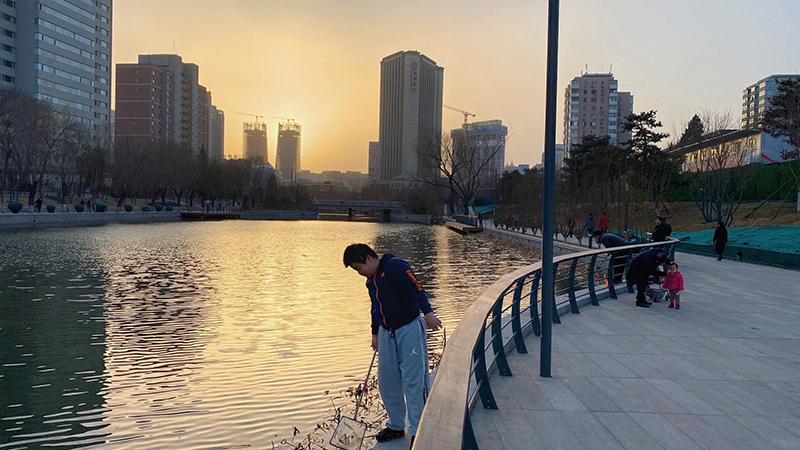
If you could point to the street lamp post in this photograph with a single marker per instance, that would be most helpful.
(548, 281)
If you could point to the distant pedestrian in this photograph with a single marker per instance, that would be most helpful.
(720, 239)
(38, 205)
(662, 230)
(571, 227)
(588, 228)
(602, 222)
(480, 220)
(674, 284)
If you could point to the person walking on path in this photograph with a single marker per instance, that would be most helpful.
(588, 228)
(398, 335)
(642, 267)
(571, 227)
(602, 223)
(674, 285)
(720, 239)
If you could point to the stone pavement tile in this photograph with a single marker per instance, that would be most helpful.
(708, 392)
(553, 431)
(636, 364)
(589, 431)
(753, 369)
(663, 432)
(735, 347)
(789, 389)
(595, 343)
(515, 430)
(634, 344)
(788, 368)
(770, 431)
(663, 366)
(591, 397)
(560, 394)
(717, 365)
(503, 393)
(688, 401)
(734, 430)
(627, 431)
(610, 365)
(527, 394)
(619, 394)
(764, 402)
(691, 370)
(583, 365)
(486, 433)
(701, 433)
(653, 399)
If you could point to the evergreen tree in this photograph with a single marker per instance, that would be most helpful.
(783, 117)
(693, 133)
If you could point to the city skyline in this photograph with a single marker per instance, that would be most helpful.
(323, 67)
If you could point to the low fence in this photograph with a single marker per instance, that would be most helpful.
(497, 323)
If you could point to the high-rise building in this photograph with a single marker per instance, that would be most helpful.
(479, 151)
(216, 134)
(594, 107)
(287, 159)
(160, 98)
(374, 161)
(410, 115)
(255, 142)
(60, 51)
(756, 98)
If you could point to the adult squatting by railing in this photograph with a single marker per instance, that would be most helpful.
(479, 345)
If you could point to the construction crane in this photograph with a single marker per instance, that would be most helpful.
(466, 114)
(258, 117)
(288, 119)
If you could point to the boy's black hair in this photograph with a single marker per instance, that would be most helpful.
(357, 253)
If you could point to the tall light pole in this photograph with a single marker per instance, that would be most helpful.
(548, 277)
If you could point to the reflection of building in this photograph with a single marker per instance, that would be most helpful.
(255, 142)
(733, 148)
(594, 107)
(410, 115)
(374, 161)
(160, 98)
(287, 161)
(479, 150)
(60, 52)
(756, 98)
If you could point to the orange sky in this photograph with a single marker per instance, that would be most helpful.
(318, 61)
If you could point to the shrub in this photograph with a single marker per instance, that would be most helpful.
(51, 208)
(78, 207)
(145, 208)
(128, 207)
(100, 207)
(14, 206)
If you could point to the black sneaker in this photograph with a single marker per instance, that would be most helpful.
(387, 434)
(642, 304)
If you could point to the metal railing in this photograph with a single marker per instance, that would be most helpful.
(497, 323)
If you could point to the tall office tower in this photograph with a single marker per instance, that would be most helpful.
(374, 161)
(60, 51)
(594, 107)
(216, 134)
(255, 142)
(160, 98)
(287, 160)
(756, 98)
(479, 150)
(410, 115)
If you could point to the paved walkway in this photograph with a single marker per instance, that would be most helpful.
(721, 373)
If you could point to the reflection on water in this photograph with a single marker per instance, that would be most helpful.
(202, 334)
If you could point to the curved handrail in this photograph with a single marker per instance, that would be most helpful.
(445, 422)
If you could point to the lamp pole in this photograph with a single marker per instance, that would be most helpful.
(548, 277)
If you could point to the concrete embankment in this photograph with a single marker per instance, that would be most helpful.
(10, 221)
(529, 240)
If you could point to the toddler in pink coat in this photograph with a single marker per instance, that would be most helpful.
(674, 284)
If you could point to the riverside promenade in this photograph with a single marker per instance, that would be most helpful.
(721, 373)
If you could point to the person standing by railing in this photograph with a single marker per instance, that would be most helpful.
(398, 335)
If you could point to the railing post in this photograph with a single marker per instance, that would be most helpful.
(497, 339)
(537, 330)
(573, 305)
(625, 271)
(516, 325)
(468, 441)
(556, 317)
(612, 291)
(592, 288)
(481, 377)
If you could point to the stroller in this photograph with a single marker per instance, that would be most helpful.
(655, 290)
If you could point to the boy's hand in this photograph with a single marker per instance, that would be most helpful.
(375, 342)
(432, 322)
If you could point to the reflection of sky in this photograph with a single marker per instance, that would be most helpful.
(217, 333)
(318, 60)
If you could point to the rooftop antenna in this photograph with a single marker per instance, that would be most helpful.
(610, 67)
(173, 48)
(586, 68)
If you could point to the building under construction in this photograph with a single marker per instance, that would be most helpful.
(287, 161)
(255, 142)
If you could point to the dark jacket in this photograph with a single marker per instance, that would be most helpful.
(612, 240)
(662, 232)
(720, 237)
(646, 264)
(396, 295)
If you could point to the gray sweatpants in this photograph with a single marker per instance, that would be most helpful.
(403, 374)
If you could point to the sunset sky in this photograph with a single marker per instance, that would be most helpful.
(318, 61)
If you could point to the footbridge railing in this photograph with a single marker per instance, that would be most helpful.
(497, 323)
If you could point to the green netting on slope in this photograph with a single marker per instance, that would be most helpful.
(783, 239)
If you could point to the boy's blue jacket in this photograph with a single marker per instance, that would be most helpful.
(397, 297)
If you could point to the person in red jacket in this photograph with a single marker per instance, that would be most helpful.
(674, 284)
(602, 222)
